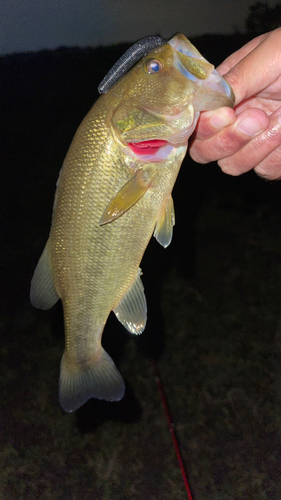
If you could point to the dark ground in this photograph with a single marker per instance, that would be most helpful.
(214, 319)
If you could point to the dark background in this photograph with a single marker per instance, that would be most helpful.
(214, 318)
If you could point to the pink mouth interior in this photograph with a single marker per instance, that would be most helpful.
(147, 147)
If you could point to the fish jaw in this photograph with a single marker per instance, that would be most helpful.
(212, 91)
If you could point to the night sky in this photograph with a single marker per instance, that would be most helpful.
(32, 25)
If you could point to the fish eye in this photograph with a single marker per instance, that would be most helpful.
(153, 66)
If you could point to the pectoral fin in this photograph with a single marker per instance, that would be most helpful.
(128, 195)
(42, 293)
(131, 310)
(165, 222)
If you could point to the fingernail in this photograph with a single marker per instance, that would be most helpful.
(249, 126)
(219, 120)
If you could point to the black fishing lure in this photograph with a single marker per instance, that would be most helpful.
(129, 58)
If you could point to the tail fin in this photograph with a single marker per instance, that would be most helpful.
(99, 378)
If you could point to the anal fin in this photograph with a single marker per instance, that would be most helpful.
(164, 226)
(132, 309)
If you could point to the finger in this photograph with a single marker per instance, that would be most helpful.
(255, 154)
(231, 139)
(270, 167)
(258, 69)
(210, 122)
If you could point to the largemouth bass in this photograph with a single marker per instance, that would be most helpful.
(113, 194)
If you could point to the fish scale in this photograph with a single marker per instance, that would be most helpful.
(95, 240)
(110, 199)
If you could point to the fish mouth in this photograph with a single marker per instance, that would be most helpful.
(212, 90)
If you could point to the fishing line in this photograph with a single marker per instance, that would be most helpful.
(171, 426)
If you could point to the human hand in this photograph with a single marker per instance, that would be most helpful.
(248, 136)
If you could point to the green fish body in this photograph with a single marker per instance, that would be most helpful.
(113, 194)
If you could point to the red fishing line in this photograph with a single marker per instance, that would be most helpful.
(172, 430)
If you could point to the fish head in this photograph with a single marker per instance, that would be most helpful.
(157, 85)
(161, 97)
